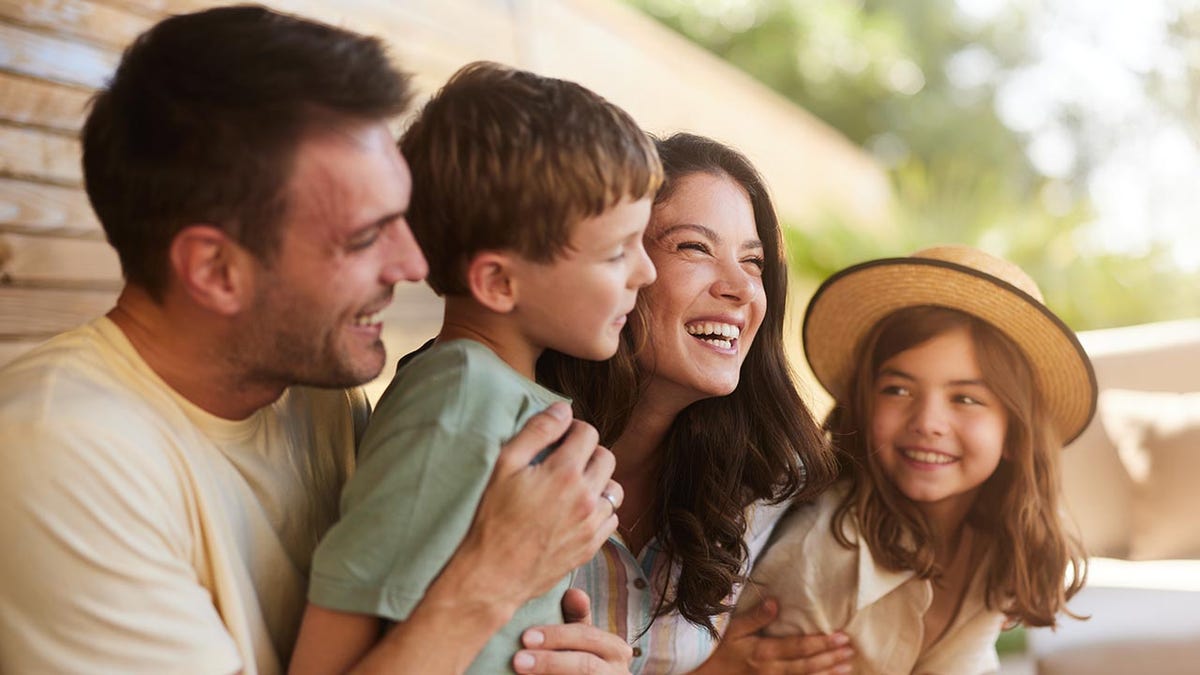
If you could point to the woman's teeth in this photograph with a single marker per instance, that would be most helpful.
(720, 335)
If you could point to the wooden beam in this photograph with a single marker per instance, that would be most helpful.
(50, 262)
(93, 22)
(30, 52)
(30, 153)
(11, 350)
(46, 209)
(36, 313)
(39, 103)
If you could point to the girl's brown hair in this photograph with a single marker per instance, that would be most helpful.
(1017, 509)
(721, 454)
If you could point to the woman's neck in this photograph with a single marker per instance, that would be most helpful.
(639, 453)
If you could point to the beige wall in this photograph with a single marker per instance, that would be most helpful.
(56, 271)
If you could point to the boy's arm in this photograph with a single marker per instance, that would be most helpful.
(533, 525)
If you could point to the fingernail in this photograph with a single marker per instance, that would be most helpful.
(559, 411)
(534, 638)
(523, 660)
(840, 639)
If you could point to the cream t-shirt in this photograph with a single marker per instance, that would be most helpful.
(142, 534)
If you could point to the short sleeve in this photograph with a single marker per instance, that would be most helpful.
(404, 513)
(97, 570)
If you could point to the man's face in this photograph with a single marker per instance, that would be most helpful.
(344, 244)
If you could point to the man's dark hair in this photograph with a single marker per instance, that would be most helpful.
(202, 119)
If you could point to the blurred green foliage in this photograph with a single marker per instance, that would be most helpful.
(914, 83)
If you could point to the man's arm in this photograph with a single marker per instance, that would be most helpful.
(534, 524)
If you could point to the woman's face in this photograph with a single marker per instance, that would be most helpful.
(708, 302)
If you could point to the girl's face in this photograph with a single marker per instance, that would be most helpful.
(937, 428)
(708, 302)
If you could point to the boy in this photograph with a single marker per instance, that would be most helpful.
(530, 199)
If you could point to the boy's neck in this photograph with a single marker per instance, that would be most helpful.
(466, 319)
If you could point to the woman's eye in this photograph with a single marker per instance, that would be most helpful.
(968, 400)
(692, 246)
(756, 261)
(618, 257)
(893, 390)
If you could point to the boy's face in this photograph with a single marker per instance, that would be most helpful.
(578, 303)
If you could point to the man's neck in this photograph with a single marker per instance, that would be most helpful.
(466, 319)
(190, 353)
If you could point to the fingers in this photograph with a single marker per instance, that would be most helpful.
(576, 450)
(563, 663)
(752, 621)
(572, 648)
(576, 607)
(541, 431)
(807, 653)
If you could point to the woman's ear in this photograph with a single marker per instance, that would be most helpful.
(212, 269)
(491, 278)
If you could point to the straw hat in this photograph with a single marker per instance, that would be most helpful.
(851, 302)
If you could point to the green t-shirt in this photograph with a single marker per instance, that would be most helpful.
(423, 463)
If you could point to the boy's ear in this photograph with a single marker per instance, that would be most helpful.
(491, 278)
(212, 269)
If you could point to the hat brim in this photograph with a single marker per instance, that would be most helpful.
(849, 304)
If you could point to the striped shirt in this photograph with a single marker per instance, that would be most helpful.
(621, 586)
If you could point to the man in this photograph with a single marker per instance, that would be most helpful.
(168, 468)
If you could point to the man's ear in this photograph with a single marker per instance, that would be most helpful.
(491, 279)
(213, 269)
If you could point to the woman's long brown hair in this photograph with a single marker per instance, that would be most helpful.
(1036, 565)
(721, 454)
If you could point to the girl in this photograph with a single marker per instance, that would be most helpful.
(954, 390)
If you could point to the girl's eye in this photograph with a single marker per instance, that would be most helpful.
(893, 390)
(618, 257)
(968, 400)
(692, 246)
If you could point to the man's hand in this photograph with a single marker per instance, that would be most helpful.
(574, 647)
(537, 522)
(743, 650)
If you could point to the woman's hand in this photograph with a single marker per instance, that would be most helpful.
(574, 647)
(743, 650)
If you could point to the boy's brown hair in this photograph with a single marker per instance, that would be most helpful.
(505, 159)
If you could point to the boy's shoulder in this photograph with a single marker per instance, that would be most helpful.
(459, 380)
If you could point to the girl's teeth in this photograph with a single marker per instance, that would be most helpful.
(723, 344)
(928, 457)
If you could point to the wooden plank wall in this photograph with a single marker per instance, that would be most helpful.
(56, 271)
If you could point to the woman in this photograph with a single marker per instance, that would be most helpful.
(705, 461)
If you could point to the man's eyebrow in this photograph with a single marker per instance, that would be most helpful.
(385, 219)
